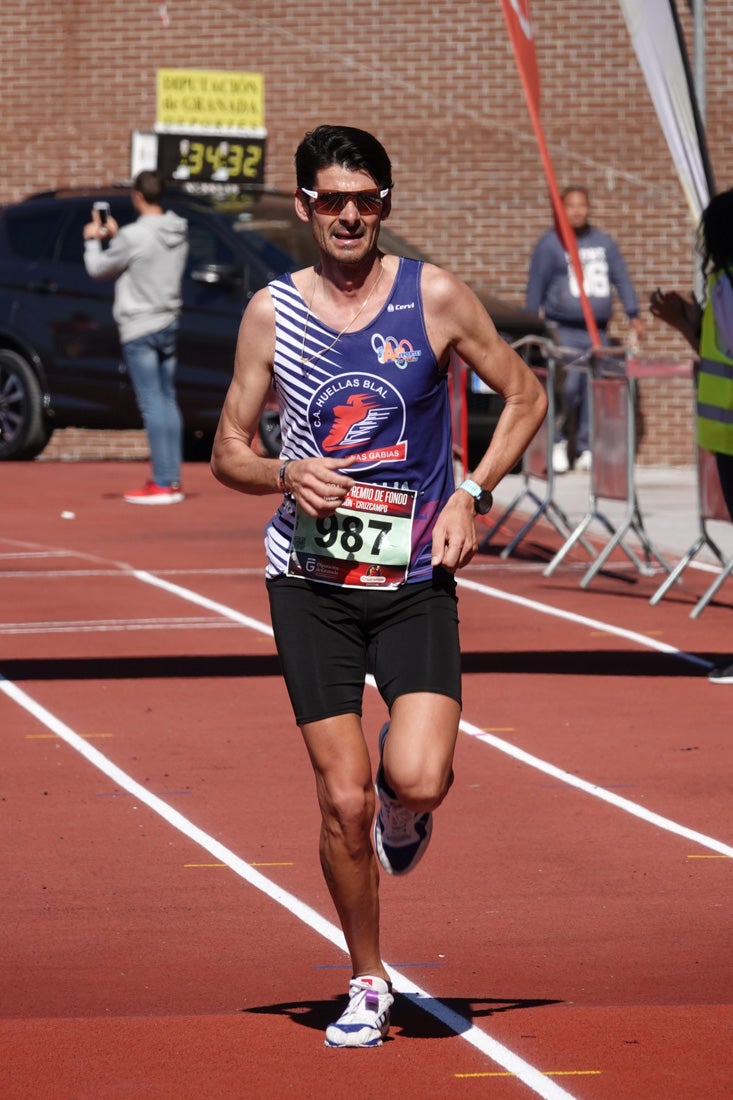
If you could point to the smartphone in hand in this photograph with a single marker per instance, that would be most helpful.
(103, 210)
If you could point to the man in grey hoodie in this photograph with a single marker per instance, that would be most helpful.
(147, 258)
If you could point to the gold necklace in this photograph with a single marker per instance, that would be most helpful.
(360, 310)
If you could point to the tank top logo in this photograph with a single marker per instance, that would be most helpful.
(390, 350)
(359, 414)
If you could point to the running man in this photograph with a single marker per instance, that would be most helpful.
(362, 550)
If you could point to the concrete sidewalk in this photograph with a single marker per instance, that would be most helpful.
(667, 499)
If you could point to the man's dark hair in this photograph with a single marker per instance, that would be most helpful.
(150, 185)
(346, 146)
(715, 236)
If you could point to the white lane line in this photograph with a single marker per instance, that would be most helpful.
(66, 574)
(597, 792)
(583, 620)
(202, 601)
(43, 554)
(476, 1037)
(497, 742)
(105, 626)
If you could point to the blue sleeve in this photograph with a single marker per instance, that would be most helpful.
(621, 280)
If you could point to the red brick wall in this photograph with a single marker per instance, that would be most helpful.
(436, 82)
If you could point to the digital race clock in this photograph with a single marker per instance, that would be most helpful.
(211, 158)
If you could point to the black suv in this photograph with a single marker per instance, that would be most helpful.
(60, 362)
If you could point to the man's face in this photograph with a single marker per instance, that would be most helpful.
(577, 209)
(348, 236)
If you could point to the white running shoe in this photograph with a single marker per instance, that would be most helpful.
(365, 1020)
(583, 461)
(560, 464)
(400, 836)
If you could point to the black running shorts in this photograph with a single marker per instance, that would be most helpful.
(328, 638)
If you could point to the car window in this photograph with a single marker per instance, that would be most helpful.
(70, 246)
(31, 232)
(279, 253)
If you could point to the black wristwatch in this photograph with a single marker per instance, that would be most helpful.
(482, 498)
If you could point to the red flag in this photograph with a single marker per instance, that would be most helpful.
(519, 24)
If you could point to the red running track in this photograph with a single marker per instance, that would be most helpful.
(167, 933)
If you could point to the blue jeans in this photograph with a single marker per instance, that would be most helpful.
(151, 362)
(575, 399)
(576, 393)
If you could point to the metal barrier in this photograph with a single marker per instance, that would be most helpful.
(613, 449)
(711, 506)
(537, 459)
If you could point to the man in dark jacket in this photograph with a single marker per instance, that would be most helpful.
(552, 289)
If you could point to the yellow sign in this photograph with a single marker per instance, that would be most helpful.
(213, 99)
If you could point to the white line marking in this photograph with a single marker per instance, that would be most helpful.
(598, 792)
(65, 574)
(497, 742)
(202, 601)
(26, 554)
(583, 620)
(533, 1078)
(105, 626)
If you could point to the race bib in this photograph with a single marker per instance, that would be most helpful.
(365, 543)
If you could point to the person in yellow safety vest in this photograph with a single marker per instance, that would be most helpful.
(709, 330)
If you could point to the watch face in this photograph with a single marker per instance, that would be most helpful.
(484, 502)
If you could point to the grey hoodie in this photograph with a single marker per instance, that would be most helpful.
(147, 258)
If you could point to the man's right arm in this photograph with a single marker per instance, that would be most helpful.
(233, 460)
(316, 483)
(106, 263)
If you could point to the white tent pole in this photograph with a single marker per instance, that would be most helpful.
(698, 13)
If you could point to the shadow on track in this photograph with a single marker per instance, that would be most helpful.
(563, 662)
(409, 1017)
(139, 668)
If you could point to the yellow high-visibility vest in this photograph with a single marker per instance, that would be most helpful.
(714, 386)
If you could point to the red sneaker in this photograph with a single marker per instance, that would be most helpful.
(155, 494)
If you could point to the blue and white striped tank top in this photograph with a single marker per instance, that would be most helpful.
(377, 393)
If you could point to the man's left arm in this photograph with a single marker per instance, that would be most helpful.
(621, 280)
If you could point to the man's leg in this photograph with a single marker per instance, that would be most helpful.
(143, 363)
(418, 751)
(169, 422)
(560, 462)
(343, 774)
(417, 745)
(346, 797)
(582, 433)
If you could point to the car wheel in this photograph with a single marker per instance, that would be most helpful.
(24, 431)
